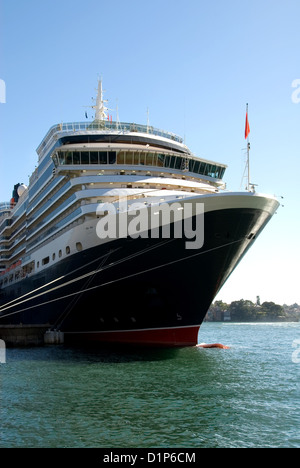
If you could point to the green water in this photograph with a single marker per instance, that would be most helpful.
(247, 396)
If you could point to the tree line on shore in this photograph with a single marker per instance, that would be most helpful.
(248, 311)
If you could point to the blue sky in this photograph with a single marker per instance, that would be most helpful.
(194, 64)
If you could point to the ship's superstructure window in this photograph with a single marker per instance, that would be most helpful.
(45, 261)
(141, 158)
(79, 246)
(112, 156)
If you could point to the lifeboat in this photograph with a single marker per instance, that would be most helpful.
(212, 345)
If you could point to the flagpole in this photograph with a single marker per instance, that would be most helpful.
(248, 151)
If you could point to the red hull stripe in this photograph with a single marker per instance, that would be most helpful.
(186, 336)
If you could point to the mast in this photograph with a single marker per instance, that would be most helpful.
(117, 117)
(247, 132)
(100, 108)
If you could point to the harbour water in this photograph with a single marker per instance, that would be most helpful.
(246, 396)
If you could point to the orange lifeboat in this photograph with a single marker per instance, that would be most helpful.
(212, 345)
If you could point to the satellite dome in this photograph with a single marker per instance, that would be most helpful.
(21, 189)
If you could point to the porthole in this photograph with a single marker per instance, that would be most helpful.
(68, 250)
(78, 246)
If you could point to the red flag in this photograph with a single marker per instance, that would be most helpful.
(247, 127)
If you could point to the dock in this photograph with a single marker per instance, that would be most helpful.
(29, 335)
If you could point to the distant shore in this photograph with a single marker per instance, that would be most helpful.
(248, 311)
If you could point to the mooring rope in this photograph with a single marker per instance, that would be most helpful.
(113, 281)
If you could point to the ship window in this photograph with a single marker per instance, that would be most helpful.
(149, 159)
(53, 256)
(112, 155)
(85, 157)
(45, 260)
(60, 254)
(61, 158)
(208, 170)
(79, 246)
(213, 171)
(172, 162)
(136, 158)
(202, 169)
(120, 158)
(129, 158)
(94, 157)
(103, 157)
(68, 250)
(196, 167)
(160, 160)
(76, 157)
(69, 157)
(178, 163)
(142, 159)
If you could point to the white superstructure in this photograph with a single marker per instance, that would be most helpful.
(82, 165)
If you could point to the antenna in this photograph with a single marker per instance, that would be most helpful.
(148, 122)
(247, 131)
(117, 117)
(100, 108)
(244, 176)
(247, 167)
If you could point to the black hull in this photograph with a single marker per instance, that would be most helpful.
(146, 291)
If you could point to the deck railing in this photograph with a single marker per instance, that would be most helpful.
(104, 125)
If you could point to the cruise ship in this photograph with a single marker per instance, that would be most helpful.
(79, 257)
